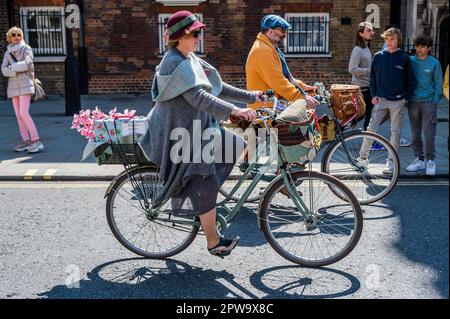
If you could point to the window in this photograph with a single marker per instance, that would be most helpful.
(309, 33)
(44, 30)
(162, 25)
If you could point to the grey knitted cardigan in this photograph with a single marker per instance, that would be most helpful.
(194, 103)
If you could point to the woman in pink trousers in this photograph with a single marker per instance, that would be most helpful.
(17, 67)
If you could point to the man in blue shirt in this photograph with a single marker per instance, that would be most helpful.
(423, 105)
(391, 84)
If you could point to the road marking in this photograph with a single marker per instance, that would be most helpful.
(29, 174)
(423, 183)
(49, 185)
(49, 173)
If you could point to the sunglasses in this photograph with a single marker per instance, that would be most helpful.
(196, 34)
(282, 30)
(16, 35)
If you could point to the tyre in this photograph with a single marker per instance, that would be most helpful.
(145, 231)
(365, 179)
(327, 235)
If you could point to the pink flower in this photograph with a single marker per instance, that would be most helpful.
(112, 113)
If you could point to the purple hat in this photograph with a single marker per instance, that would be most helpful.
(180, 22)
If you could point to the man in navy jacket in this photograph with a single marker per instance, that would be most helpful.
(391, 84)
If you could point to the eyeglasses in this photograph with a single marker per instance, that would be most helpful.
(16, 35)
(281, 29)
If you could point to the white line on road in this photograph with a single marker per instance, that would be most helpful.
(49, 185)
(49, 173)
(29, 174)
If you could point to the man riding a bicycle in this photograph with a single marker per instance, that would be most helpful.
(266, 66)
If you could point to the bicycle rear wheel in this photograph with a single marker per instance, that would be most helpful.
(366, 180)
(327, 235)
(145, 231)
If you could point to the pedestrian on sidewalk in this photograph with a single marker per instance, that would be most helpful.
(360, 63)
(391, 84)
(17, 67)
(404, 142)
(189, 93)
(422, 106)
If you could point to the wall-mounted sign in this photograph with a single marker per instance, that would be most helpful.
(374, 15)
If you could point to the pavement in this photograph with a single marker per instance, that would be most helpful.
(61, 159)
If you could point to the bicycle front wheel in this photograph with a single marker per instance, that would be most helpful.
(368, 180)
(140, 228)
(325, 234)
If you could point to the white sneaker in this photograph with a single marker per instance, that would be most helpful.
(35, 147)
(404, 142)
(363, 162)
(389, 167)
(431, 168)
(22, 147)
(416, 165)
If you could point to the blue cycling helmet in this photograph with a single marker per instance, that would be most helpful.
(272, 21)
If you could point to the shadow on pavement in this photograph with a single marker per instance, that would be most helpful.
(294, 282)
(424, 230)
(138, 278)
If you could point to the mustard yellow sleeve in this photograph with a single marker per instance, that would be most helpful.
(271, 71)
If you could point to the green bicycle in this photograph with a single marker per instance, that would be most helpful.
(310, 226)
(341, 159)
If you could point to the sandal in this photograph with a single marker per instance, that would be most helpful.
(224, 247)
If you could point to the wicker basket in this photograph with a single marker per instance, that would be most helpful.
(343, 97)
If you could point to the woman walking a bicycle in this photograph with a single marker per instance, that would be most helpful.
(189, 94)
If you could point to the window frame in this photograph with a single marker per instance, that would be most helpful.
(299, 51)
(161, 30)
(47, 51)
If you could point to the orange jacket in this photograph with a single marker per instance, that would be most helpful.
(264, 71)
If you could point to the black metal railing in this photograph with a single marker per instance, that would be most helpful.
(44, 31)
(410, 48)
(308, 35)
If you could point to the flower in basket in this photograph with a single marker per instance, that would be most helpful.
(84, 122)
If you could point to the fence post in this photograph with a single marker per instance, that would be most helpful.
(72, 90)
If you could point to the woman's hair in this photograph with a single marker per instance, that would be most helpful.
(11, 31)
(172, 44)
(359, 39)
(390, 32)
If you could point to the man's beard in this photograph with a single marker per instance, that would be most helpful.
(282, 42)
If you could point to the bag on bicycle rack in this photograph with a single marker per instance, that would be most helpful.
(298, 133)
(326, 128)
(342, 97)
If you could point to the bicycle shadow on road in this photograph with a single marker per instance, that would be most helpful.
(139, 278)
(294, 282)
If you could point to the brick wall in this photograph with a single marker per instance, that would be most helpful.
(3, 30)
(51, 75)
(122, 40)
(122, 56)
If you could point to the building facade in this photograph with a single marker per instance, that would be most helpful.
(118, 44)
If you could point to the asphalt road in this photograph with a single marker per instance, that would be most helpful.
(55, 243)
